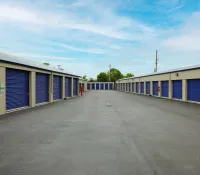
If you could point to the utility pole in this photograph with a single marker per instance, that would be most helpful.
(156, 63)
(109, 71)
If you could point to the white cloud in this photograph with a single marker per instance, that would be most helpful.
(45, 56)
(78, 68)
(169, 6)
(92, 27)
(73, 5)
(86, 50)
(185, 43)
(38, 56)
(188, 38)
(107, 24)
(18, 14)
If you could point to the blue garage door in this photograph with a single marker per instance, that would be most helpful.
(177, 89)
(88, 86)
(106, 86)
(57, 87)
(97, 86)
(67, 87)
(137, 87)
(102, 86)
(93, 86)
(193, 87)
(142, 87)
(17, 89)
(42, 88)
(75, 89)
(111, 86)
(165, 88)
(155, 88)
(133, 87)
(148, 87)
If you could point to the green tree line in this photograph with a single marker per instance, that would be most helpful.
(115, 75)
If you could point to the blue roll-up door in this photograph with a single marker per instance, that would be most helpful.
(93, 86)
(88, 86)
(142, 87)
(75, 87)
(148, 88)
(137, 87)
(155, 88)
(17, 89)
(165, 88)
(193, 87)
(177, 89)
(102, 86)
(133, 87)
(67, 87)
(106, 86)
(111, 86)
(42, 88)
(57, 87)
(97, 86)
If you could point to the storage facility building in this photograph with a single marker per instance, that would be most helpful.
(179, 84)
(100, 85)
(25, 84)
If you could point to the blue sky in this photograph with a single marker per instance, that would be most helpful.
(85, 36)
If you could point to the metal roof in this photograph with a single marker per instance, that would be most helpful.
(167, 71)
(14, 59)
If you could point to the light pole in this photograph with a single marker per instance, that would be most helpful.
(109, 71)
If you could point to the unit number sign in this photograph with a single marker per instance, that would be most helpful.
(2, 89)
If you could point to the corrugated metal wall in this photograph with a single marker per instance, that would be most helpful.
(27, 87)
(183, 85)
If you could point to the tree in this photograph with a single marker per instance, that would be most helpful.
(85, 77)
(46, 64)
(115, 74)
(128, 75)
(91, 80)
(102, 77)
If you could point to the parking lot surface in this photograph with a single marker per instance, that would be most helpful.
(102, 133)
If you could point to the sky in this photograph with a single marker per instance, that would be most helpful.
(85, 36)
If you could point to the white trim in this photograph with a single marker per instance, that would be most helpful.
(40, 104)
(17, 109)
